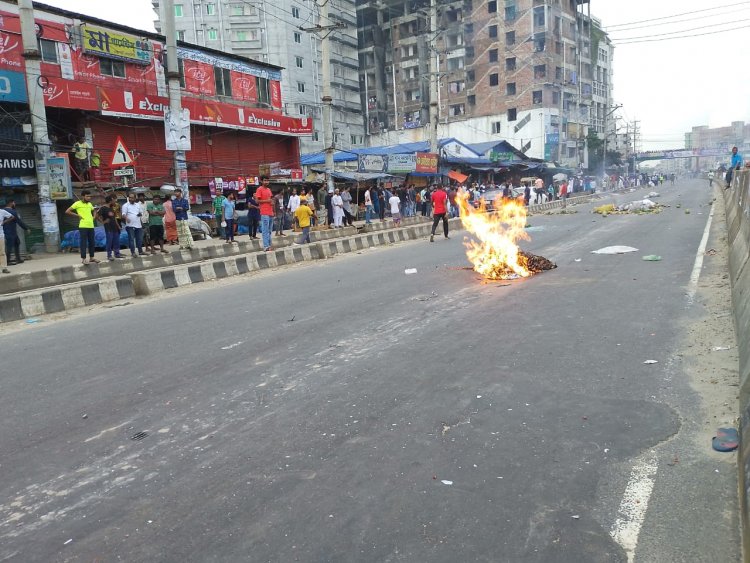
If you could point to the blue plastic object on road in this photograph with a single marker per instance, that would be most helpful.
(726, 440)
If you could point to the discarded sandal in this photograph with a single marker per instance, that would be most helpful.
(726, 440)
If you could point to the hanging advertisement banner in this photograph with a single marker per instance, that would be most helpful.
(61, 93)
(199, 78)
(12, 86)
(60, 186)
(371, 163)
(11, 51)
(106, 43)
(177, 130)
(427, 162)
(65, 57)
(244, 87)
(49, 217)
(275, 94)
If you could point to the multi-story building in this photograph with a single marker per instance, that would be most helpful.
(518, 70)
(274, 32)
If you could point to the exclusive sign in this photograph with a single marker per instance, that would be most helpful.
(17, 164)
(115, 45)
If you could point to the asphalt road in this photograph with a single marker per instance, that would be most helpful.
(345, 411)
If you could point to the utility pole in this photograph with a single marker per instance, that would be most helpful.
(40, 136)
(175, 100)
(434, 80)
(325, 48)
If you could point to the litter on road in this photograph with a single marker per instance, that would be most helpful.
(652, 258)
(410, 271)
(726, 440)
(651, 362)
(446, 482)
(720, 348)
(615, 250)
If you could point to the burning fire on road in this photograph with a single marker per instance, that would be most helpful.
(495, 253)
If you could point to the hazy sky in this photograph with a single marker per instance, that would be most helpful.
(668, 85)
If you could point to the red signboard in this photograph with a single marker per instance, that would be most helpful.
(127, 103)
(61, 93)
(11, 51)
(199, 78)
(275, 94)
(243, 87)
(427, 162)
(238, 117)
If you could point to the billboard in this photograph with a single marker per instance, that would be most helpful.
(115, 45)
(427, 162)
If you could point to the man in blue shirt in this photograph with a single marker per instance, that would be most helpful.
(736, 164)
(12, 241)
(181, 207)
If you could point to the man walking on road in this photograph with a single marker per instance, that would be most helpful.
(181, 206)
(303, 214)
(132, 213)
(439, 202)
(83, 210)
(264, 199)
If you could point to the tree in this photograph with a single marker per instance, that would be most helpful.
(596, 150)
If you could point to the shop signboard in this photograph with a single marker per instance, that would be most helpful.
(107, 43)
(427, 162)
(371, 163)
(12, 86)
(59, 177)
(61, 93)
(16, 164)
(402, 163)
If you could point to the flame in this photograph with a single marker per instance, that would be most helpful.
(495, 255)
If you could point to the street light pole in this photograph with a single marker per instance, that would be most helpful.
(175, 101)
(434, 64)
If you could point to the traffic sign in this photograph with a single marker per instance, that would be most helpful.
(124, 172)
(121, 155)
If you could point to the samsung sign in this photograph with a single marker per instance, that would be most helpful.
(16, 164)
(12, 87)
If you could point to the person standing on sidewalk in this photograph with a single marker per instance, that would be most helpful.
(228, 216)
(4, 216)
(337, 205)
(144, 220)
(170, 221)
(368, 207)
(156, 224)
(294, 201)
(303, 215)
(278, 207)
(131, 213)
(111, 228)
(10, 230)
(346, 197)
(264, 197)
(439, 205)
(219, 211)
(181, 206)
(564, 193)
(253, 215)
(83, 210)
(395, 203)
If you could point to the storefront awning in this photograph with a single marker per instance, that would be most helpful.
(457, 176)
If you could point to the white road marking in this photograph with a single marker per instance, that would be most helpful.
(103, 432)
(231, 346)
(698, 266)
(634, 504)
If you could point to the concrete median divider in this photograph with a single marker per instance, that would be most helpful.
(65, 297)
(737, 200)
(114, 281)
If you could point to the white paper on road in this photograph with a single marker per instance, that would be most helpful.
(615, 250)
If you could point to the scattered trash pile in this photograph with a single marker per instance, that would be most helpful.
(537, 264)
(639, 206)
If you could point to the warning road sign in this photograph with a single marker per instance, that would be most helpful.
(121, 156)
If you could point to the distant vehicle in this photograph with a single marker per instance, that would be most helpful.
(489, 197)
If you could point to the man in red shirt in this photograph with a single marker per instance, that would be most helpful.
(439, 211)
(264, 199)
(564, 192)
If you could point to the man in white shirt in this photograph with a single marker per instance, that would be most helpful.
(132, 214)
(4, 217)
(368, 206)
(395, 202)
(294, 201)
(144, 220)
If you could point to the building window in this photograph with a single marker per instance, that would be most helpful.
(510, 38)
(263, 86)
(558, 48)
(297, 37)
(496, 127)
(299, 62)
(213, 34)
(510, 89)
(470, 77)
(456, 86)
(469, 52)
(48, 49)
(493, 55)
(181, 35)
(558, 73)
(540, 71)
(492, 30)
(108, 67)
(469, 28)
(555, 98)
(178, 12)
(457, 109)
(471, 99)
(510, 63)
(409, 74)
(199, 36)
(494, 79)
(492, 6)
(240, 35)
(315, 136)
(301, 87)
(539, 19)
(510, 13)
(411, 95)
(536, 97)
(456, 63)
(210, 9)
(512, 114)
(223, 81)
(295, 12)
(238, 10)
